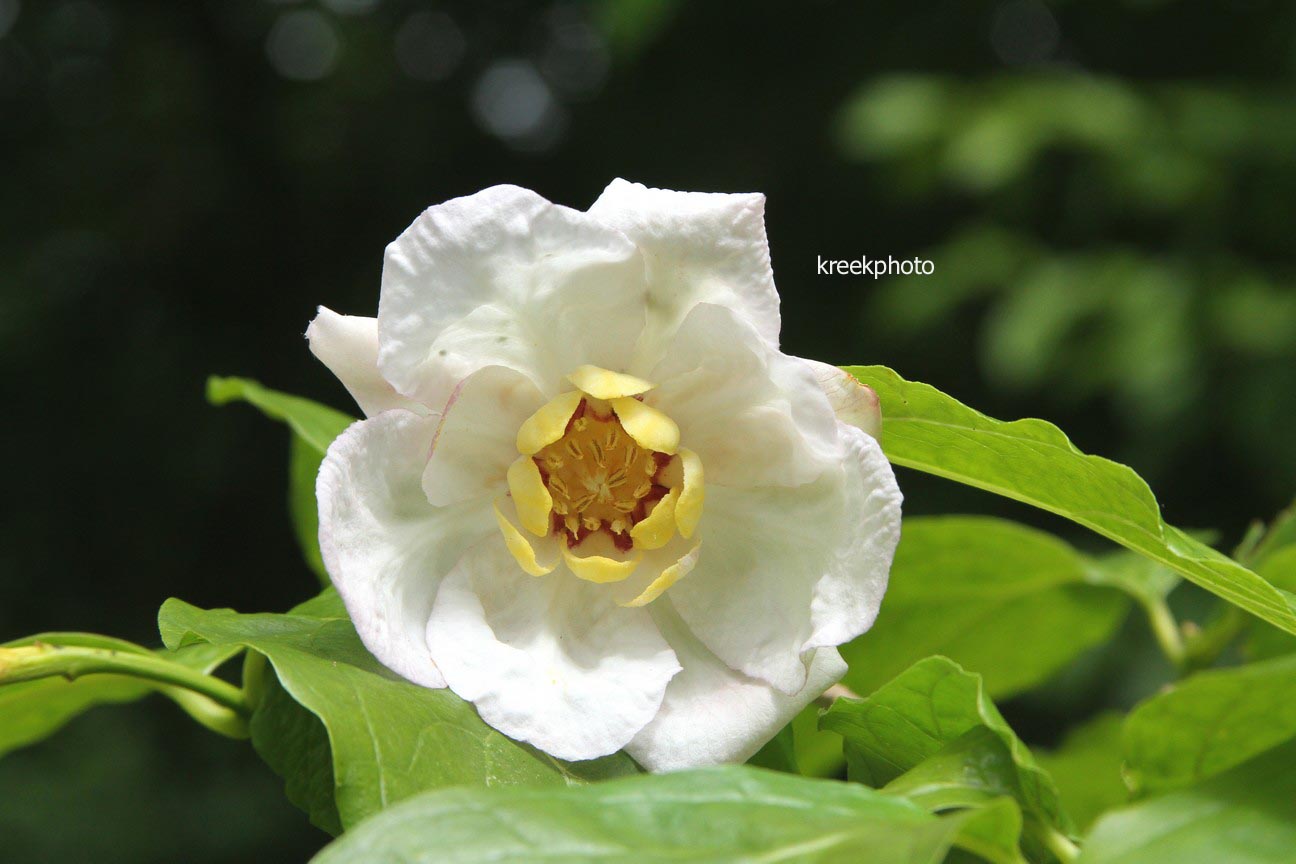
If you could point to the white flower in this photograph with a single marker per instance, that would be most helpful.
(591, 495)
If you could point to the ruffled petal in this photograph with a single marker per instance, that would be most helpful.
(763, 551)
(504, 277)
(855, 404)
(754, 416)
(712, 714)
(348, 346)
(474, 444)
(550, 661)
(847, 598)
(385, 547)
(700, 248)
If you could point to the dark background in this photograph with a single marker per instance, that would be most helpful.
(1106, 190)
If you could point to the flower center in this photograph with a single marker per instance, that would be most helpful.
(601, 462)
(600, 479)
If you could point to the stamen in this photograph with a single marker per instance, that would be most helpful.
(618, 477)
(583, 503)
(624, 506)
(612, 439)
(580, 424)
(574, 449)
(600, 456)
(558, 486)
(642, 490)
(591, 523)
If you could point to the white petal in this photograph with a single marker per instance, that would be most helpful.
(552, 660)
(700, 248)
(763, 551)
(784, 570)
(504, 277)
(755, 417)
(847, 598)
(712, 714)
(348, 346)
(854, 403)
(475, 443)
(385, 547)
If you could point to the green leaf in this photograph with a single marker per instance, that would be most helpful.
(818, 751)
(779, 753)
(1087, 768)
(718, 814)
(31, 711)
(389, 738)
(977, 590)
(1244, 816)
(1210, 722)
(314, 426)
(1279, 567)
(913, 717)
(1033, 462)
(295, 744)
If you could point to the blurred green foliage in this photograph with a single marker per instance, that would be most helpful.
(1106, 191)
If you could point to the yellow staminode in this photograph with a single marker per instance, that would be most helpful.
(688, 510)
(656, 530)
(530, 497)
(668, 577)
(649, 427)
(596, 568)
(548, 424)
(602, 384)
(520, 547)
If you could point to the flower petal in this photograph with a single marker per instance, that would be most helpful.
(847, 598)
(385, 547)
(749, 599)
(348, 346)
(700, 248)
(607, 385)
(854, 403)
(755, 417)
(474, 445)
(504, 277)
(712, 714)
(553, 661)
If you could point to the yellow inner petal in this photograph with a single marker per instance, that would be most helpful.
(596, 568)
(688, 510)
(604, 384)
(649, 427)
(520, 547)
(530, 497)
(668, 577)
(656, 531)
(548, 424)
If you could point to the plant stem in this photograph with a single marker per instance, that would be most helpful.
(1059, 844)
(1206, 647)
(1166, 630)
(42, 660)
